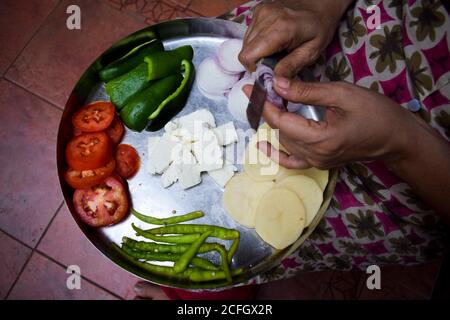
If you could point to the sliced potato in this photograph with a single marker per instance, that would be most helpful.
(257, 165)
(307, 190)
(241, 198)
(281, 218)
(319, 176)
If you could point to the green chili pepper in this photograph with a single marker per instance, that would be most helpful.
(150, 256)
(163, 64)
(121, 89)
(217, 232)
(182, 263)
(179, 249)
(185, 238)
(171, 220)
(136, 112)
(174, 103)
(131, 60)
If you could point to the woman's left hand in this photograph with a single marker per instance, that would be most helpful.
(359, 125)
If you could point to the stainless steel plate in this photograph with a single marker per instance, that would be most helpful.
(147, 195)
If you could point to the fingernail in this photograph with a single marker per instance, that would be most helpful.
(282, 82)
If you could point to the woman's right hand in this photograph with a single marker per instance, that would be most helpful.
(302, 27)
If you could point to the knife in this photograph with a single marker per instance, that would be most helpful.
(259, 93)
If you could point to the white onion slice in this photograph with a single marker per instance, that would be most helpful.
(227, 55)
(268, 75)
(212, 81)
(238, 101)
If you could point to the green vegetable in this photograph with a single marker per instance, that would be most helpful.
(166, 63)
(232, 250)
(136, 112)
(174, 103)
(121, 89)
(191, 274)
(131, 60)
(150, 256)
(185, 238)
(121, 48)
(182, 263)
(217, 232)
(172, 220)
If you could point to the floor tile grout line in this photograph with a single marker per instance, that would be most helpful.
(32, 37)
(18, 275)
(48, 225)
(16, 239)
(92, 282)
(52, 104)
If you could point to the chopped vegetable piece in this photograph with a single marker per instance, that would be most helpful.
(131, 60)
(127, 160)
(218, 232)
(89, 151)
(102, 205)
(174, 103)
(136, 112)
(179, 239)
(94, 117)
(88, 178)
(115, 130)
(166, 63)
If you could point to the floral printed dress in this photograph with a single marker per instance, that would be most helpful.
(374, 217)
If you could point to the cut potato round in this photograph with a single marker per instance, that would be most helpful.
(257, 165)
(319, 176)
(307, 190)
(281, 218)
(242, 196)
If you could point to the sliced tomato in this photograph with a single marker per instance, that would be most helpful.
(88, 178)
(102, 205)
(89, 151)
(77, 132)
(115, 130)
(94, 117)
(127, 161)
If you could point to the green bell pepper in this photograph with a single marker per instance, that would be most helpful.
(174, 103)
(121, 89)
(136, 112)
(131, 60)
(163, 64)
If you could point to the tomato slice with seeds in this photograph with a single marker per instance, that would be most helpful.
(88, 178)
(102, 205)
(115, 130)
(94, 117)
(89, 151)
(127, 161)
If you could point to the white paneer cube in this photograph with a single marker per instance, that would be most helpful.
(223, 175)
(161, 155)
(171, 175)
(226, 133)
(207, 151)
(202, 116)
(170, 126)
(190, 174)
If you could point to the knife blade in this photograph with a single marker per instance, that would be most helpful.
(256, 103)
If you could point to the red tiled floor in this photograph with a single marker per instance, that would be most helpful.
(13, 256)
(305, 286)
(43, 279)
(56, 57)
(30, 189)
(19, 20)
(210, 8)
(65, 243)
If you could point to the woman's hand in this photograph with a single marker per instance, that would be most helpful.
(360, 125)
(302, 27)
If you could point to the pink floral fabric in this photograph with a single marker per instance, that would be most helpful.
(374, 217)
